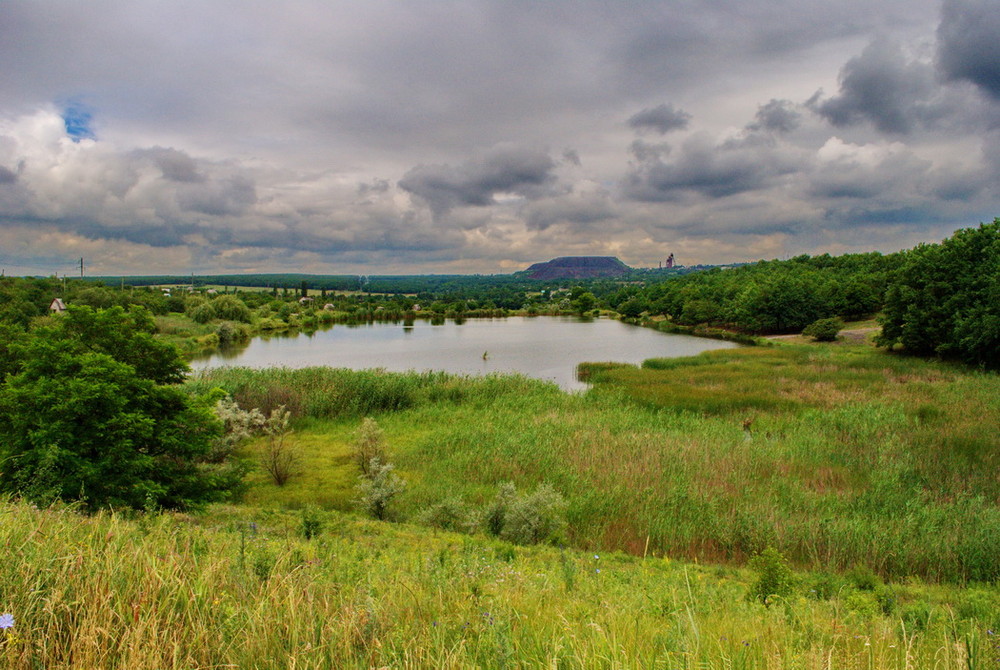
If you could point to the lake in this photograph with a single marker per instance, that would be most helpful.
(543, 347)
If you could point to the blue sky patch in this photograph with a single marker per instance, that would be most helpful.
(78, 119)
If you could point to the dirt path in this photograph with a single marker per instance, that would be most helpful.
(852, 335)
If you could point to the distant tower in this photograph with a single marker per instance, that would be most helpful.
(670, 261)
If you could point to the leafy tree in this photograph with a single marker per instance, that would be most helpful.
(92, 412)
(231, 308)
(202, 312)
(584, 302)
(632, 308)
(945, 298)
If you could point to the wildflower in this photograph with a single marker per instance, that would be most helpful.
(596, 557)
(6, 621)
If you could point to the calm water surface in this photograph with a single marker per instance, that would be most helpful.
(543, 347)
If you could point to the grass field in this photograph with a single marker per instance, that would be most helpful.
(242, 587)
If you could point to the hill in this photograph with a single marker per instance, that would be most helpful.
(578, 267)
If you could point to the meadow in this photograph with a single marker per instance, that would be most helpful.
(837, 456)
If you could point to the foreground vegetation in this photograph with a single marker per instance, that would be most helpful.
(244, 588)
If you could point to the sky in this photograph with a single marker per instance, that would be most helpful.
(481, 136)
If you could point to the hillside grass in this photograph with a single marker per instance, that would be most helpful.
(838, 456)
(242, 587)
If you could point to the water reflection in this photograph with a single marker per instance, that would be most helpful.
(544, 347)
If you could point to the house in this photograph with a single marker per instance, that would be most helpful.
(57, 306)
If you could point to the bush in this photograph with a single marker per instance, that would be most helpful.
(537, 517)
(452, 514)
(375, 492)
(824, 330)
(774, 577)
(231, 308)
(496, 513)
(279, 458)
(202, 313)
(311, 523)
(369, 445)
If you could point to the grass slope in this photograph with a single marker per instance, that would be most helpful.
(241, 587)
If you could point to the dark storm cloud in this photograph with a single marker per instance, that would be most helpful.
(777, 116)
(645, 152)
(584, 209)
(662, 119)
(882, 87)
(508, 169)
(342, 131)
(173, 164)
(891, 173)
(708, 169)
(969, 43)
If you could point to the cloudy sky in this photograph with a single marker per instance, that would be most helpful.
(460, 136)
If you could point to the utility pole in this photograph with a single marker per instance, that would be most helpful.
(81, 268)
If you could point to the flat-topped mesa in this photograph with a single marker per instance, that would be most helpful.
(578, 267)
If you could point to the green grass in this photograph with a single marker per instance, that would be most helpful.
(850, 455)
(241, 587)
(188, 336)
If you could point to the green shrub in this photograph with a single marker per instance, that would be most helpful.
(280, 458)
(536, 517)
(774, 577)
(375, 492)
(452, 514)
(202, 313)
(231, 308)
(496, 513)
(864, 578)
(369, 445)
(229, 332)
(824, 330)
(311, 524)
(864, 603)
